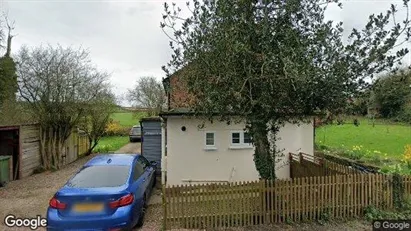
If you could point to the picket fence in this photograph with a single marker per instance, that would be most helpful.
(306, 165)
(261, 202)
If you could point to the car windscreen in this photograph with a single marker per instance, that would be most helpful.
(100, 176)
(136, 130)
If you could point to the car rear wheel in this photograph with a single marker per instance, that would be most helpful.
(142, 213)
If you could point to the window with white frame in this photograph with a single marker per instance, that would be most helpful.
(246, 138)
(210, 140)
(240, 139)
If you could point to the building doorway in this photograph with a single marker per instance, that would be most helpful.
(10, 146)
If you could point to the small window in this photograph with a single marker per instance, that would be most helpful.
(247, 138)
(240, 140)
(235, 138)
(210, 139)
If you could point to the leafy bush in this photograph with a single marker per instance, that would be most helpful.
(356, 153)
(115, 129)
(320, 146)
(392, 95)
(325, 216)
(407, 156)
(103, 148)
(395, 168)
(401, 168)
(373, 213)
(377, 160)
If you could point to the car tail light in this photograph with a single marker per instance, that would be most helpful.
(123, 201)
(56, 204)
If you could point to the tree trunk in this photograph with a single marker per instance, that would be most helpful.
(90, 143)
(53, 149)
(52, 140)
(61, 145)
(44, 160)
(50, 148)
(264, 156)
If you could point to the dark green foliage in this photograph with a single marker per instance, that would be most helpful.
(325, 216)
(402, 204)
(8, 79)
(359, 104)
(96, 117)
(398, 191)
(373, 213)
(275, 61)
(392, 94)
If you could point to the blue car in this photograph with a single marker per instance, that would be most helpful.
(109, 192)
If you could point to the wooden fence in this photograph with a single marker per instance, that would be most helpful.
(305, 165)
(83, 144)
(262, 202)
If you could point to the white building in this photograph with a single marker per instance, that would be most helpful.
(216, 152)
(219, 152)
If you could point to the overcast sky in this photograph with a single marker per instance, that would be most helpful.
(124, 37)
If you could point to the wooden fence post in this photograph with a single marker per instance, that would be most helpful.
(291, 164)
(165, 208)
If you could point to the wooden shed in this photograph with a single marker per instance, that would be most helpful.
(22, 143)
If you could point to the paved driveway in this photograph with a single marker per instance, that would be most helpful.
(29, 197)
(134, 147)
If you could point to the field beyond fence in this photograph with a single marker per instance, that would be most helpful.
(263, 202)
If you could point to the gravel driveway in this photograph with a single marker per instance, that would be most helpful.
(29, 197)
(134, 147)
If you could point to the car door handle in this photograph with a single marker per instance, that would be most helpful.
(144, 180)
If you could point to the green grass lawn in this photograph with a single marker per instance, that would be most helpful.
(128, 119)
(111, 144)
(389, 139)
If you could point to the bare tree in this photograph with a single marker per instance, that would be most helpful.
(96, 118)
(148, 93)
(8, 77)
(1, 34)
(58, 84)
(10, 27)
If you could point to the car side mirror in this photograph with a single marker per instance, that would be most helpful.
(153, 163)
